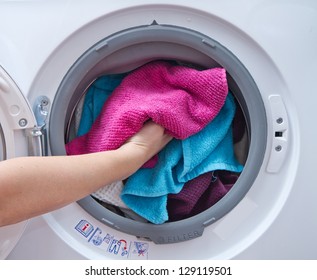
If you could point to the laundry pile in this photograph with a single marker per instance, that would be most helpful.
(196, 169)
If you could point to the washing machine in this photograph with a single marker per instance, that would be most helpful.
(52, 51)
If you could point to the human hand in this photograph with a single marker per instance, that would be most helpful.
(148, 141)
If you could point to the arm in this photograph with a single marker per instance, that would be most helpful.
(30, 186)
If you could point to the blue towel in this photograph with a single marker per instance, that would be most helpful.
(95, 98)
(146, 191)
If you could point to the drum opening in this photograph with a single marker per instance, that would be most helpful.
(122, 53)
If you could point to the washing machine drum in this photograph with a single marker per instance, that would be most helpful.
(125, 51)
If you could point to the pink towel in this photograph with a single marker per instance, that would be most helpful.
(181, 99)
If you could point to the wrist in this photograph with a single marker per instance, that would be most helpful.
(135, 152)
(133, 156)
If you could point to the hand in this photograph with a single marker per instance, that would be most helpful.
(149, 140)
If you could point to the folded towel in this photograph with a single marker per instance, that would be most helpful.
(146, 191)
(181, 99)
(199, 194)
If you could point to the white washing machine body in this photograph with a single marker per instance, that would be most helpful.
(275, 41)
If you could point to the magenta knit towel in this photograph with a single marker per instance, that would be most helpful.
(181, 99)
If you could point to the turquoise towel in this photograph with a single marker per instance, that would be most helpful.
(95, 98)
(211, 149)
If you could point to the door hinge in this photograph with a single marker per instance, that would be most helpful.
(39, 133)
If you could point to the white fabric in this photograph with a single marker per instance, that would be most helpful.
(111, 194)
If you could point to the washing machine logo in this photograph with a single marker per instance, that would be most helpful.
(84, 228)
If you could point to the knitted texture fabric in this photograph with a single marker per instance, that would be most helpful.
(111, 194)
(181, 99)
(146, 191)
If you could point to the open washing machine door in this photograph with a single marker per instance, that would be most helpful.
(19, 136)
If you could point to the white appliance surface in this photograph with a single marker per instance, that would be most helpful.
(275, 40)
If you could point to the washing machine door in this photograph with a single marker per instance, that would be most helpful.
(19, 136)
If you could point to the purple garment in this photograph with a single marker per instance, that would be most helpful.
(200, 194)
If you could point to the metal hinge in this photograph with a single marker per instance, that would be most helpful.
(39, 133)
